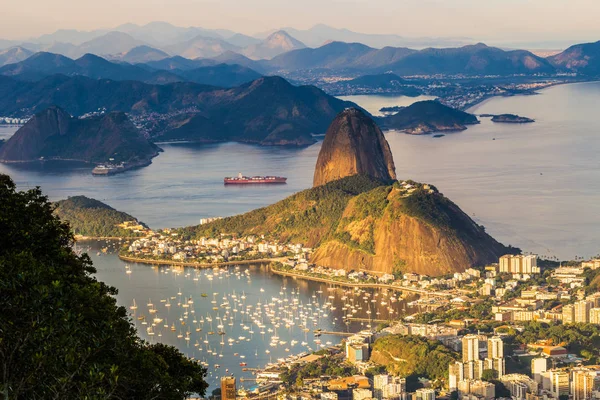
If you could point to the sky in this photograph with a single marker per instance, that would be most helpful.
(509, 20)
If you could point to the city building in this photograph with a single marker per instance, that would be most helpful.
(478, 388)
(329, 396)
(357, 351)
(425, 394)
(595, 316)
(538, 367)
(582, 311)
(470, 348)
(228, 389)
(379, 382)
(585, 381)
(361, 394)
(568, 314)
(519, 264)
(559, 383)
(519, 385)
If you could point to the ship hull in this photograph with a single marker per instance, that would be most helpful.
(254, 181)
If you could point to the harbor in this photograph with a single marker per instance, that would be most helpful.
(244, 318)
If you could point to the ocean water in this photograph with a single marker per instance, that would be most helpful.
(373, 103)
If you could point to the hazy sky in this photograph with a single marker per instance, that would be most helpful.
(478, 19)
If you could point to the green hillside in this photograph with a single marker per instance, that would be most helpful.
(414, 355)
(306, 217)
(92, 218)
(360, 223)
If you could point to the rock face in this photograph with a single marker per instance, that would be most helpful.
(354, 145)
(420, 231)
(54, 134)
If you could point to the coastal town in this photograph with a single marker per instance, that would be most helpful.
(487, 318)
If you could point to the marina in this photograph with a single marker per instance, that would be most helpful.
(240, 319)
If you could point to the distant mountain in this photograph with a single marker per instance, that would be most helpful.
(70, 36)
(14, 55)
(470, 60)
(335, 55)
(241, 40)
(581, 58)
(41, 65)
(110, 43)
(320, 34)
(427, 117)
(223, 75)
(267, 111)
(276, 43)
(92, 218)
(54, 134)
(230, 57)
(79, 95)
(141, 54)
(160, 33)
(476, 59)
(201, 47)
(180, 63)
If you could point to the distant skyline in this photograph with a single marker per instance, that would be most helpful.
(502, 21)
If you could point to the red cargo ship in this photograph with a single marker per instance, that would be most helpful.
(244, 180)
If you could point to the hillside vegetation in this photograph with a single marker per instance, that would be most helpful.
(307, 217)
(361, 223)
(414, 355)
(89, 217)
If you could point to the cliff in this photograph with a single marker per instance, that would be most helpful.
(393, 228)
(427, 117)
(354, 145)
(54, 134)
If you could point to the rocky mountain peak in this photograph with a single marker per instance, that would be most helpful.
(354, 145)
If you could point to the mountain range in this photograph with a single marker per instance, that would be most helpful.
(471, 60)
(268, 110)
(41, 65)
(280, 52)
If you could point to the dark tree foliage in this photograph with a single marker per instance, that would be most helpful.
(62, 335)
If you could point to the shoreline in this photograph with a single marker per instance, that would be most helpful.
(358, 285)
(196, 264)
(284, 273)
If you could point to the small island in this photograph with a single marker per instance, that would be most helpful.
(392, 109)
(424, 117)
(508, 118)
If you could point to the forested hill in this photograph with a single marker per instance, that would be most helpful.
(92, 218)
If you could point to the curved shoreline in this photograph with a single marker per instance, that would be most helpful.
(196, 264)
(357, 285)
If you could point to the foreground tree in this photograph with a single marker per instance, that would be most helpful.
(62, 336)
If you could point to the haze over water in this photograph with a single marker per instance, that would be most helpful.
(536, 186)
